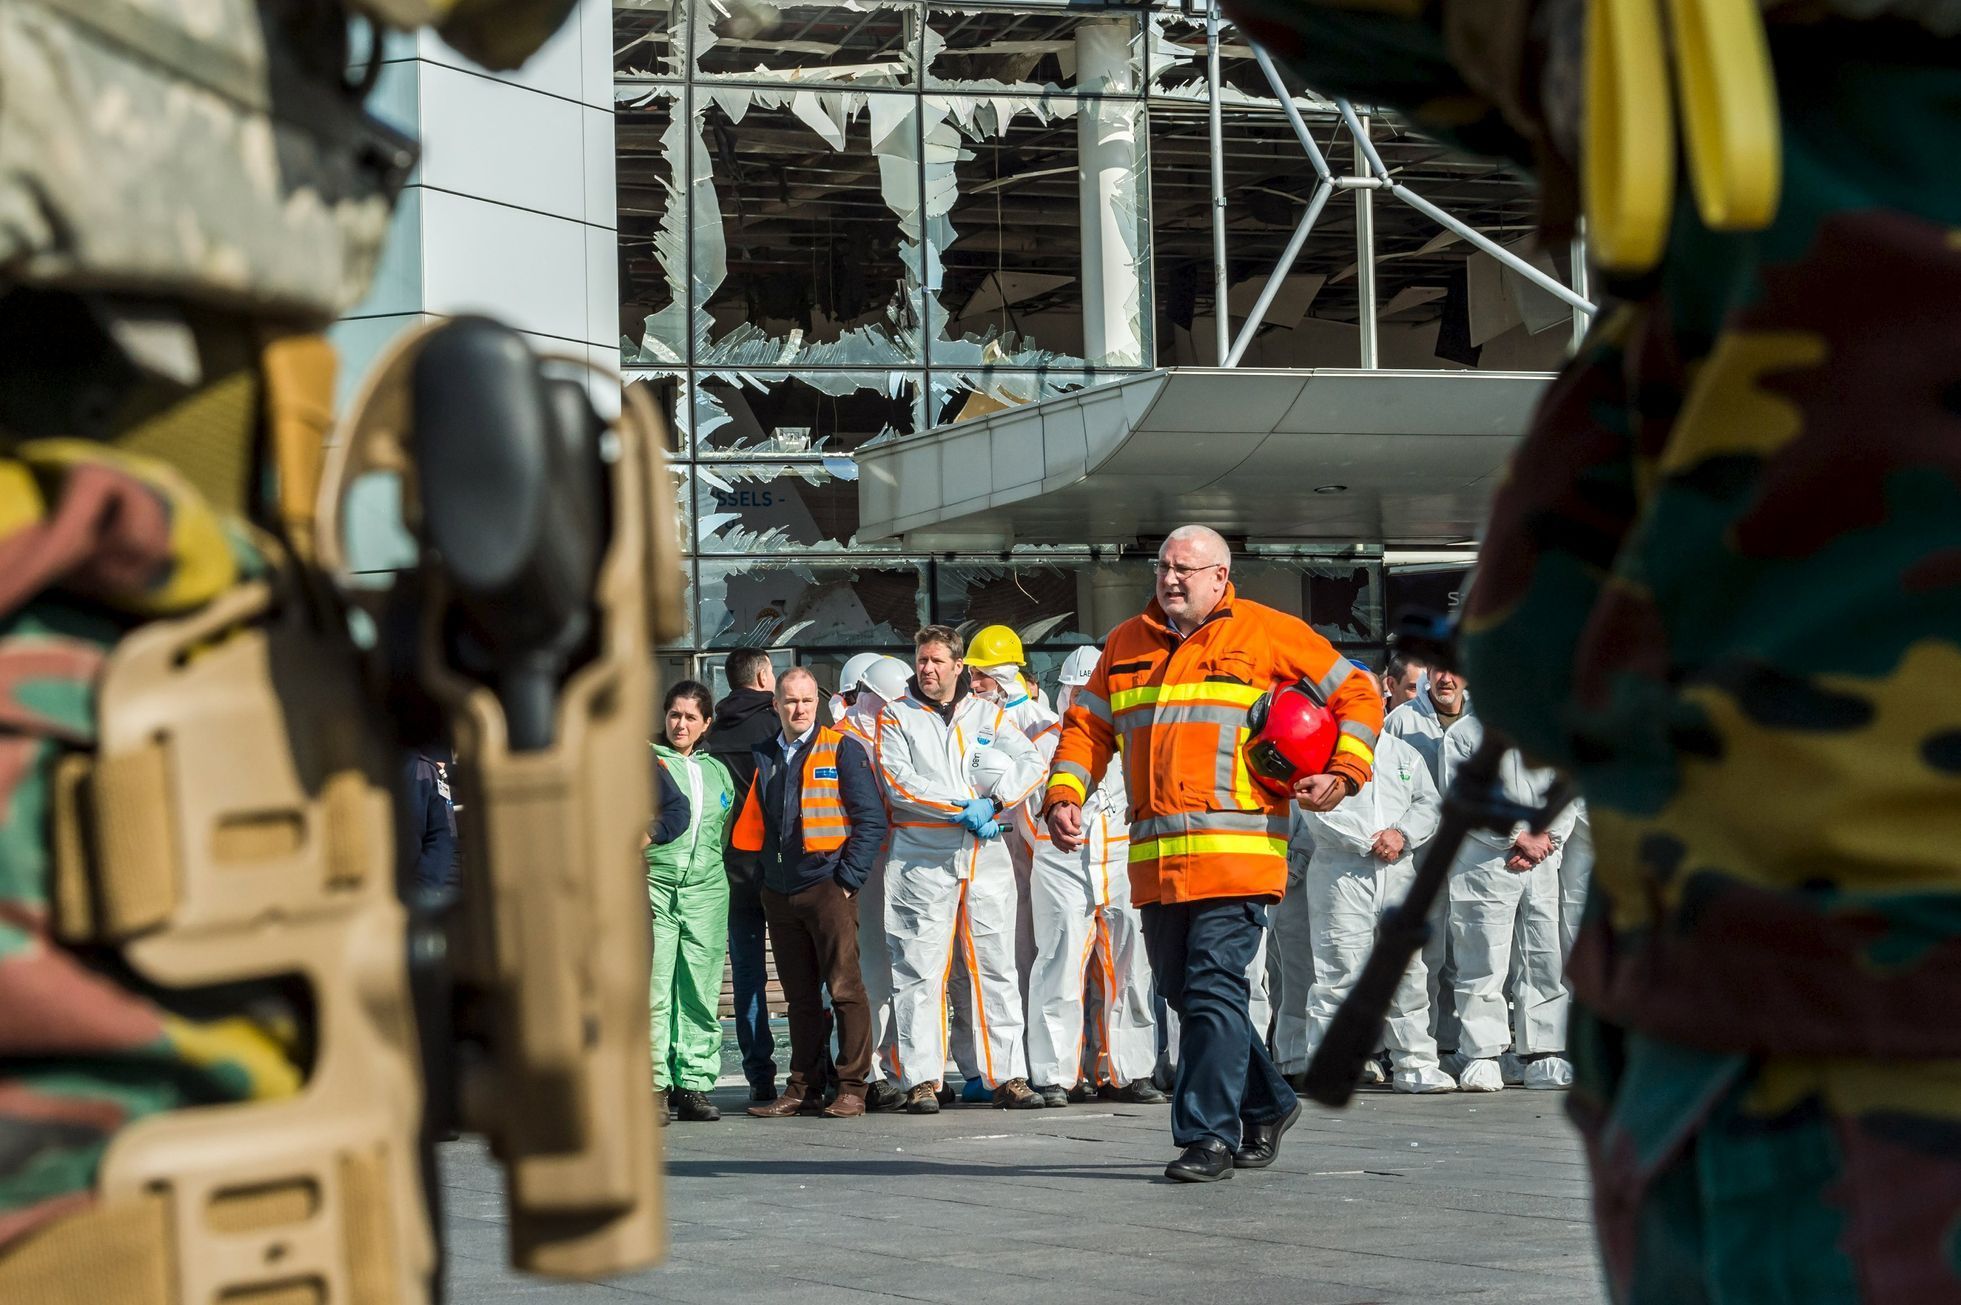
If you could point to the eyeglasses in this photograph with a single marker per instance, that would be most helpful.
(1182, 572)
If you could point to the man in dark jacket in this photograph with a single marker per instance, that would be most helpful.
(814, 814)
(430, 829)
(746, 717)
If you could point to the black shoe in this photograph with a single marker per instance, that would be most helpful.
(883, 1096)
(1298, 1082)
(695, 1108)
(1137, 1092)
(923, 1100)
(1204, 1161)
(1261, 1142)
(1082, 1092)
(1052, 1095)
(762, 1093)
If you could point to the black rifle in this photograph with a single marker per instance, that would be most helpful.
(1476, 800)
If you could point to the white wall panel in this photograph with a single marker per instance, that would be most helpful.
(526, 268)
(497, 141)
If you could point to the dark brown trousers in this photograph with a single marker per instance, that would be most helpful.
(814, 934)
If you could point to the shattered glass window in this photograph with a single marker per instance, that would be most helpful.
(839, 42)
(1175, 48)
(767, 414)
(1341, 597)
(982, 50)
(799, 258)
(956, 396)
(776, 507)
(784, 602)
(644, 44)
(1026, 277)
(653, 231)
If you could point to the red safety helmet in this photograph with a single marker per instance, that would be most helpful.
(1291, 735)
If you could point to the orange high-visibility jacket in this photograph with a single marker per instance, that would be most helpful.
(825, 826)
(1200, 827)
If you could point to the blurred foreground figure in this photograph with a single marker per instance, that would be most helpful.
(227, 1043)
(1723, 589)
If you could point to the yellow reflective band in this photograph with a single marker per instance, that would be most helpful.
(1349, 743)
(1207, 844)
(1241, 695)
(1242, 778)
(1060, 780)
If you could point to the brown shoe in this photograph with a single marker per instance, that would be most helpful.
(1015, 1094)
(791, 1102)
(850, 1104)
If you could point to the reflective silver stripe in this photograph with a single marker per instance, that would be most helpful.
(1182, 713)
(1209, 822)
(1227, 784)
(1360, 731)
(1333, 680)
(1097, 707)
(1071, 768)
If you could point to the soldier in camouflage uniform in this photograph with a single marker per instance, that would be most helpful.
(1722, 586)
(186, 188)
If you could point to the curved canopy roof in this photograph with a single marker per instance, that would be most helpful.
(1384, 457)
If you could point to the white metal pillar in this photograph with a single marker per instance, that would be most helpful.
(1107, 181)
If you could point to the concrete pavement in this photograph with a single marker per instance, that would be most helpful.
(1397, 1199)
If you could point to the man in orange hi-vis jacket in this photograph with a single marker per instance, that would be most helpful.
(1208, 849)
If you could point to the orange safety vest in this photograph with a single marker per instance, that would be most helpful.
(1199, 826)
(825, 825)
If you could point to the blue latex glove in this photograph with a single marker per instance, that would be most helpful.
(992, 829)
(976, 812)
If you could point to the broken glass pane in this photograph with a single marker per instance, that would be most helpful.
(766, 414)
(984, 50)
(1008, 257)
(956, 396)
(652, 228)
(643, 40)
(798, 258)
(810, 504)
(841, 42)
(800, 602)
(1341, 597)
(1176, 54)
(663, 390)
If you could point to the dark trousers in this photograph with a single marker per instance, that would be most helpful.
(1199, 954)
(749, 971)
(814, 934)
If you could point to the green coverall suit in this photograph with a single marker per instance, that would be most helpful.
(689, 892)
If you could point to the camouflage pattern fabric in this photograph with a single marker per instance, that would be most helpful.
(90, 543)
(1722, 586)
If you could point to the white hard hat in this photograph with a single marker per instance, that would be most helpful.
(888, 677)
(854, 671)
(1076, 667)
(986, 770)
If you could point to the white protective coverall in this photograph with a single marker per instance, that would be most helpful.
(859, 722)
(1416, 723)
(1084, 919)
(1575, 869)
(943, 883)
(1290, 960)
(1347, 890)
(1487, 901)
(1043, 728)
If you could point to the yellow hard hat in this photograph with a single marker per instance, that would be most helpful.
(994, 645)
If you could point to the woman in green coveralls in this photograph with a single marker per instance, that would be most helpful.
(690, 895)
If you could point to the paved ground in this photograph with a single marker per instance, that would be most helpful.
(1398, 1199)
